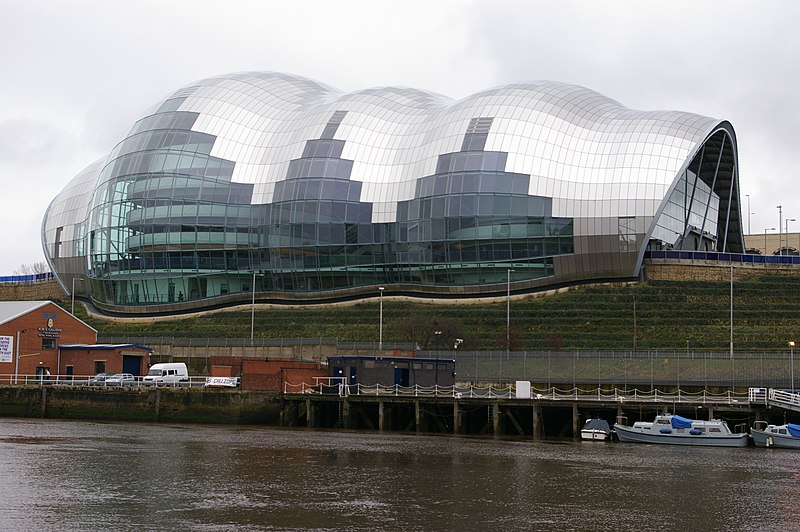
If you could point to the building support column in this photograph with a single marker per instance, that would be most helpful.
(537, 421)
(456, 418)
(158, 403)
(44, 402)
(345, 421)
(710, 412)
(496, 427)
(309, 414)
(417, 416)
(380, 416)
(575, 421)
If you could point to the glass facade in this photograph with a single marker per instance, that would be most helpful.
(316, 195)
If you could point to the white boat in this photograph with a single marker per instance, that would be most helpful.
(596, 429)
(677, 430)
(781, 436)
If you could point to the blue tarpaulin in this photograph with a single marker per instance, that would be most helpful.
(794, 430)
(679, 422)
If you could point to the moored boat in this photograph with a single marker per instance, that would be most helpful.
(785, 436)
(596, 429)
(677, 430)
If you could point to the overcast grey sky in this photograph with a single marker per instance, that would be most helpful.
(76, 75)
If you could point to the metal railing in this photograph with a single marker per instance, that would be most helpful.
(92, 380)
(509, 392)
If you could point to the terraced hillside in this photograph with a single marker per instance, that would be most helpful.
(667, 316)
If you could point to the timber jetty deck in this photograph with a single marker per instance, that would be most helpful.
(499, 411)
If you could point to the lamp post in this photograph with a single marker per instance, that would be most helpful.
(72, 294)
(436, 371)
(16, 362)
(508, 312)
(380, 323)
(780, 236)
(786, 231)
(731, 311)
(791, 358)
(253, 310)
(748, 213)
(765, 238)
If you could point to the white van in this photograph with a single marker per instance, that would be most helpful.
(171, 374)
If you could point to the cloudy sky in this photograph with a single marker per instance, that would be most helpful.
(77, 74)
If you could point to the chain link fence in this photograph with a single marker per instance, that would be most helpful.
(630, 369)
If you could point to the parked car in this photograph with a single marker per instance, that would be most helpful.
(121, 379)
(99, 379)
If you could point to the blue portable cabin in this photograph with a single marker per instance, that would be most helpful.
(390, 371)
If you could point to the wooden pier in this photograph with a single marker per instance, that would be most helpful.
(465, 412)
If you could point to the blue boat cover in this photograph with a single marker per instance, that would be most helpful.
(597, 424)
(679, 422)
(794, 430)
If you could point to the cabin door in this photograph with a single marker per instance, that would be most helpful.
(401, 377)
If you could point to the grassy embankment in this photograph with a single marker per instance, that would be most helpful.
(668, 315)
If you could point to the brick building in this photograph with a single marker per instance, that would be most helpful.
(91, 359)
(31, 333)
(267, 374)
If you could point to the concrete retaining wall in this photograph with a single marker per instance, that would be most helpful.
(179, 405)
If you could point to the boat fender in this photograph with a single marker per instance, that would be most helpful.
(666, 431)
(769, 441)
(695, 432)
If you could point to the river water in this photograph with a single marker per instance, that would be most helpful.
(81, 475)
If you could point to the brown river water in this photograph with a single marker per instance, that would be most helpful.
(77, 475)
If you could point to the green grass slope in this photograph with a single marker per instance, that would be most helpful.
(668, 315)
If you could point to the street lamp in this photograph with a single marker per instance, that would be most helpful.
(731, 310)
(508, 312)
(16, 363)
(786, 231)
(791, 357)
(436, 372)
(253, 310)
(72, 309)
(765, 238)
(780, 236)
(380, 325)
(748, 213)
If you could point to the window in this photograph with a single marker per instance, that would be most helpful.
(48, 343)
(627, 233)
(99, 366)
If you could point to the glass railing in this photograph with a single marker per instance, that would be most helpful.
(749, 258)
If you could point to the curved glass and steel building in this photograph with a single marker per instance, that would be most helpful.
(276, 187)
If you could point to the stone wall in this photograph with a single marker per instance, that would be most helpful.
(688, 270)
(176, 405)
(46, 291)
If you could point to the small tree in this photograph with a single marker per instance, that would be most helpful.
(515, 338)
(420, 329)
(32, 269)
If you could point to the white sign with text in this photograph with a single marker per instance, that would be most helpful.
(6, 348)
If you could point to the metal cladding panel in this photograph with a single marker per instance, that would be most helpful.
(322, 191)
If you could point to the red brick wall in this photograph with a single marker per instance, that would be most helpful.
(31, 352)
(82, 360)
(269, 375)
